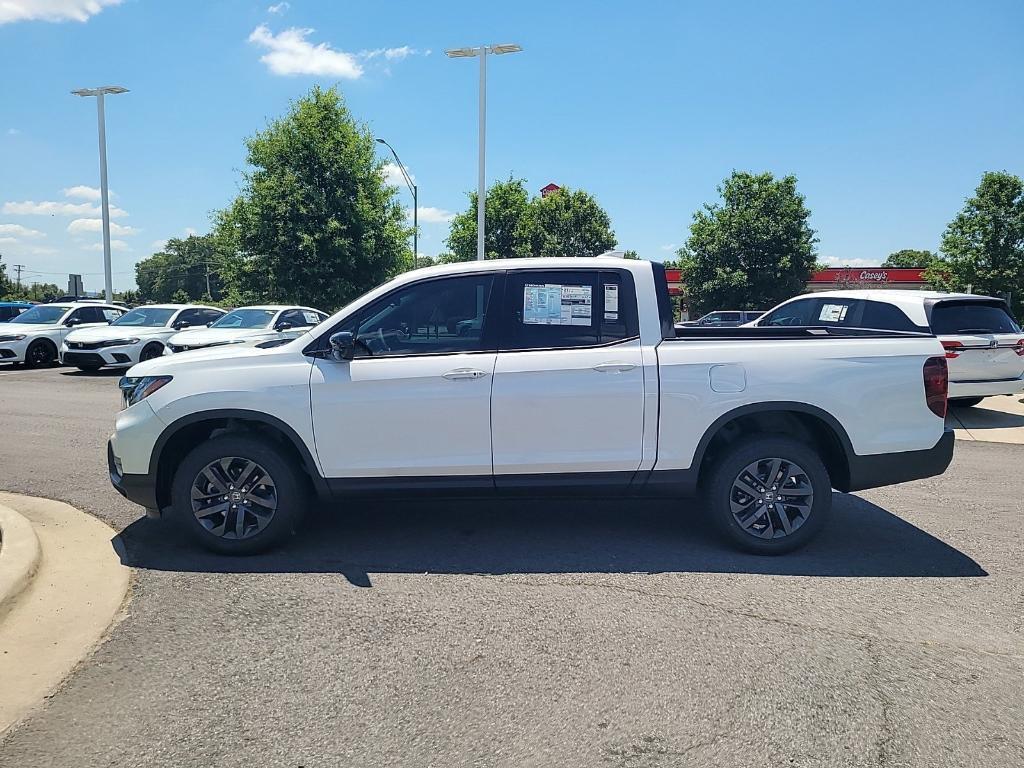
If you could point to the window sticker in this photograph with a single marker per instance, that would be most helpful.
(311, 317)
(611, 298)
(554, 304)
(833, 313)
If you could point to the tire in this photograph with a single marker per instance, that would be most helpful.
(40, 354)
(965, 402)
(151, 351)
(746, 525)
(219, 530)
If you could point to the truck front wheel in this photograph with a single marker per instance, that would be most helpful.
(238, 495)
(768, 494)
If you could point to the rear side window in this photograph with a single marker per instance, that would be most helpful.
(797, 313)
(887, 317)
(952, 317)
(559, 309)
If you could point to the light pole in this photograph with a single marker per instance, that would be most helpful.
(415, 203)
(99, 93)
(481, 192)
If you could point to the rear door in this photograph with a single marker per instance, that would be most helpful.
(982, 340)
(568, 391)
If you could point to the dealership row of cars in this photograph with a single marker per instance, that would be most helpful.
(91, 335)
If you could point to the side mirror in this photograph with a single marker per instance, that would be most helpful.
(284, 325)
(72, 322)
(343, 345)
(180, 324)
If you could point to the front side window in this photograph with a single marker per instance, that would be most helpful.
(146, 317)
(427, 318)
(555, 309)
(796, 313)
(42, 314)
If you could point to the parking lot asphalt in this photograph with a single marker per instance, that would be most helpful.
(540, 632)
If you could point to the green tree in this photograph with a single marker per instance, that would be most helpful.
(181, 296)
(751, 250)
(565, 223)
(184, 265)
(631, 255)
(908, 257)
(6, 287)
(983, 247)
(504, 207)
(315, 221)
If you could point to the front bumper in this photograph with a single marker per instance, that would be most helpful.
(881, 469)
(985, 388)
(140, 489)
(13, 351)
(121, 356)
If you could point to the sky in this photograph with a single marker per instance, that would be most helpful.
(886, 112)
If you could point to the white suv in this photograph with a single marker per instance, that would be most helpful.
(984, 344)
(137, 336)
(34, 337)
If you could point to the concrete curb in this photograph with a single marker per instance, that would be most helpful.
(19, 556)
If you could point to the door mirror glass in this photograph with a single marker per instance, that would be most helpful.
(343, 345)
(71, 322)
(284, 325)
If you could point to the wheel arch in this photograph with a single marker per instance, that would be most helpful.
(180, 435)
(792, 419)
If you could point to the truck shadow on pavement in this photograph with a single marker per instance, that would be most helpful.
(550, 535)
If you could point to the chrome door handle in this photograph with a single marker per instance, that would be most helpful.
(614, 367)
(464, 373)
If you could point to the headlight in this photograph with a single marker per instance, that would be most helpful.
(137, 388)
(18, 337)
(117, 342)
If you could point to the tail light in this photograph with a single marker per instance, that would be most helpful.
(1019, 348)
(953, 348)
(936, 385)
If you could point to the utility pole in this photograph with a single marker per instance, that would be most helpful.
(18, 268)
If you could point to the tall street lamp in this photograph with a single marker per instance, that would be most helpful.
(481, 193)
(99, 93)
(415, 203)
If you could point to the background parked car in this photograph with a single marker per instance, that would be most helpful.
(249, 324)
(138, 335)
(723, 318)
(35, 336)
(984, 344)
(11, 309)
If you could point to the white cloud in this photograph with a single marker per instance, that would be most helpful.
(391, 54)
(6, 240)
(393, 175)
(278, 8)
(668, 247)
(431, 215)
(51, 10)
(81, 226)
(83, 192)
(115, 245)
(13, 131)
(52, 208)
(839, 261)
(158, 245)
(290, 53)
(16, 230)
(189, 231)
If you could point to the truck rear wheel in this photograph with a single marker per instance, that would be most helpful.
(769, 495)
(238, 495)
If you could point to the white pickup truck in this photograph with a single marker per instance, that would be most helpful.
(532, 375)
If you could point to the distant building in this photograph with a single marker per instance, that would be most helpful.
(548, 189)
(867, 277)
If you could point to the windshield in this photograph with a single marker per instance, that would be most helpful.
(246, 318)
(149, 317)
(971, 317)
(42, 314)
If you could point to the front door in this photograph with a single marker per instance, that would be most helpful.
(568, 393)
(416, 399)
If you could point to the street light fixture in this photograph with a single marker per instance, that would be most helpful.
(99, 93)
(415, 203)
(481, 193)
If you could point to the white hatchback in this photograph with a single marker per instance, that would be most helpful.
(249, 325)
(984, 344)
(138, 335)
